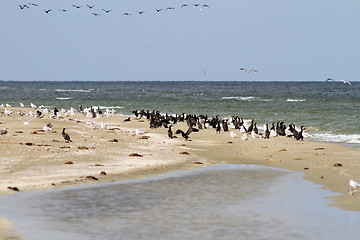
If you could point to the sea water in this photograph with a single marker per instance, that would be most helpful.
(218, 202)
(329, 110)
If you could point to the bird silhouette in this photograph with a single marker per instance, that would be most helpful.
(47, 11)
(141, 12)
(90, 6)
(95, 14)
(65, 136)
(76, 6)
(184, 135)
(158, 9)
(170, 8)
(127, 14)
(107, 11)
(184, 5)
(24, 6)
(34, 4)
(170, 132)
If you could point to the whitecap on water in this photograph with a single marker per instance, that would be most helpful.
(105, 107)
(249, 99)
(339, 138)
(63, 98)
(295, 100)
(74, 90)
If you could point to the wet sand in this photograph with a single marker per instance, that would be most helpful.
(32, 159)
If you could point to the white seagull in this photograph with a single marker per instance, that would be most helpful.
(343, 81)
(233, 135)
(244, 137)
(48, 127)
(138, 132)
(248, 70)
(346, 82)
(33, 105)
(254, 134)
(354, 185)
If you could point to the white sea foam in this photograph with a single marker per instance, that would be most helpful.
(105, 107)
(4, 88)
(248, 99)
(338, 138)
(63, 98)
(74, 90)
(295, 100)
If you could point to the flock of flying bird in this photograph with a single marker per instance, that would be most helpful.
(97, 11)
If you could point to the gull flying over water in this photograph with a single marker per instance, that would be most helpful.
(248, 70)
(333, 80)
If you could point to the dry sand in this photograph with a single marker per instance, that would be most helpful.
(31, 159)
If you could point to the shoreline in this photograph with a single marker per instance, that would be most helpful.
(34, 160)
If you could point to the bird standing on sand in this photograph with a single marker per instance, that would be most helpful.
(267, 132)
(233, 134)
(354, 185)
(244, 137)
(66, 136)
(170, 132)
(4, 131)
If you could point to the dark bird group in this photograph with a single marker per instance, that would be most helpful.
(196, 123)
(95, 11)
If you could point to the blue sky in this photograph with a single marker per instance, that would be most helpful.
(284, 40)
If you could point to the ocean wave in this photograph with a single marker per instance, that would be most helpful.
(105, 107)
(74, 90)
(295, 100)
(4, 88)
(63, 98)
(249, 99)
(337, 138)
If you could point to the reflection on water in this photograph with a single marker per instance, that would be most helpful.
(222, 202)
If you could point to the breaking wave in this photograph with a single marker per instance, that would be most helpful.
(247, 99)
(74, 90)
(295, 100)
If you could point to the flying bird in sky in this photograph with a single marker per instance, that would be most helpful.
(107, 11)
(248, 70)
(333, 80)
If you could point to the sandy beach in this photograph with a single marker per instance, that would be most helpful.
(33, 159)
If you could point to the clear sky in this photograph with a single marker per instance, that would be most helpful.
(282, 39)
